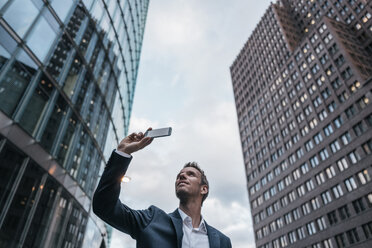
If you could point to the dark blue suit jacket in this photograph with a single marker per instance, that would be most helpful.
(151, 227)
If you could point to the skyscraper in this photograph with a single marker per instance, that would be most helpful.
(68, 71)
(302, 86)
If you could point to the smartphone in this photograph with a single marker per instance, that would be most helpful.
(161, 132)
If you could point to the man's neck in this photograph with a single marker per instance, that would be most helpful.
(192, 209)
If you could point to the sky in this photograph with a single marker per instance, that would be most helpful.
(184, 82)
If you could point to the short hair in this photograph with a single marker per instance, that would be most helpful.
(204, 180)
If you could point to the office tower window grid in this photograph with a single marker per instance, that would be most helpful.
(302, 86)
(67, 78)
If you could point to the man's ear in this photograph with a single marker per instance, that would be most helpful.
(204, 189)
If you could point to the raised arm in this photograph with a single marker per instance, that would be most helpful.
(106, 203)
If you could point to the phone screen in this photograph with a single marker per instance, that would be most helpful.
(161, 132)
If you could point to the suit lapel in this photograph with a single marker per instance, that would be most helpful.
(177, 223)
(213, 237)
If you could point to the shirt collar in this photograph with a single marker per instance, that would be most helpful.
(188, 221)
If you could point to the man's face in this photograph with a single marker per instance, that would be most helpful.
(188, 183)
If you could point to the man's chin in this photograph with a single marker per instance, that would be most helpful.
(181, 194)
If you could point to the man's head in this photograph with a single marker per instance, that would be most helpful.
(191, 182)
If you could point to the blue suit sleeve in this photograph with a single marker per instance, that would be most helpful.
(107, 205)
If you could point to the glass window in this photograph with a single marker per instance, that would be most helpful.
(320, 178)
(90, 165)
(340, 240)
(315, 203)
(73, 76)
(332, 217)
(352, 236)
(61, 8)
(364, 176)
(97, 10)
(58, 60)
(21, 205)
(21, 8)
(367, 228)
(52, 127)
(66, 143)
(88, 41)
(311, 228)
(359, 205)
(75, 228)
(350, 184)
(337, 191)
(41, 38)
(37, 104)
(15, 81)
(7, 43)
(344, 212)
(56, 230)
(4, 55)
(346, 138)
(40, 222)
(301, 233)
(77, 156)
(326, 197)
(10, 163)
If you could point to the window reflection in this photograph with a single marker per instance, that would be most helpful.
(96, 53)
(4, 57)
(97, 128)
(7, 41)
(91, 169)
(73, 76)
(52, 127)
(20, 207)
(88, 162)
(61, 8)
(92, 236)
(21, 8)
(103, 75)
(42, 217)
(86, 38)
(37, 104)
(95, 102)
(56, 231)
(88, 3)
(58, 60)
(110, 93)
(77, 156)
(103, 130)
(67, 140)
(97, 11)
(105, 23)
(74, 26)
(14, 83)
(81, 99)
(41, 38)
(10, 163)
(64, 47)
(75, 228)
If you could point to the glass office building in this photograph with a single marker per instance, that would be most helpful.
(303, 92)
(68, 72)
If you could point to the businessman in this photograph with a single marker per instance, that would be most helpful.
(153, 228)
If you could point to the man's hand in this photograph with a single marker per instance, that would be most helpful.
(134, 142)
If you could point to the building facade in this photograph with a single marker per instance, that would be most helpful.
(68, 72)
(303, 87)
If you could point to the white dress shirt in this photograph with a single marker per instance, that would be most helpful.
(123, 154)
(193, 237)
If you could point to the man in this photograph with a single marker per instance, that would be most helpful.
(184, 228)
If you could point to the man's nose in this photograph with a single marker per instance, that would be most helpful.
(182, 175)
